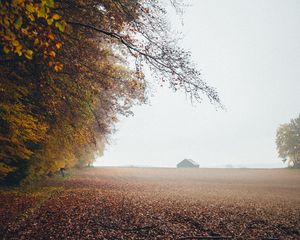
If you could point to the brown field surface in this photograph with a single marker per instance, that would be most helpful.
(156, 203)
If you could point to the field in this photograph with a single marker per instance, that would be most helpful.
(154, 203)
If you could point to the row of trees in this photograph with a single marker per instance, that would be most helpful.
(67, 70)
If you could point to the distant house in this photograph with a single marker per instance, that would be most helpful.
(187, 163)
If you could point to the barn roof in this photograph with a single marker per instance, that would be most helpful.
(189, 160)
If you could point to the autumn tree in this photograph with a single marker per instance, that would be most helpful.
(288, 142)
(62, 118)
(26, 28)
(70, 68)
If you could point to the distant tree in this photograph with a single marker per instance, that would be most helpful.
(288, 142)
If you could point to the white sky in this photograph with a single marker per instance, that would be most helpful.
(249, 51)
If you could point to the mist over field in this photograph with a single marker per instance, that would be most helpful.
(150, 119)
(249, 51)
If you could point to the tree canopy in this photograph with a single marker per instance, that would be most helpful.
(69, 68)
(288, 142)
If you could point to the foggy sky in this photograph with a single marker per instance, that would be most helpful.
(250, 52)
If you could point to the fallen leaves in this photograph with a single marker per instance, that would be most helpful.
(107, 204)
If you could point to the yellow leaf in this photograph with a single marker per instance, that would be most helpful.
(52, 54)
(36, 41)
(60, 25)
(50, 3)
(58, 45)
(28, 54)
(31, 17)
(15, 43)
(55, 17)
(30, 7)
(49, 21)
(6, 49)
(41, 12)
(58, 67)
(51, 36)
(6, 21)
(18, 50)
